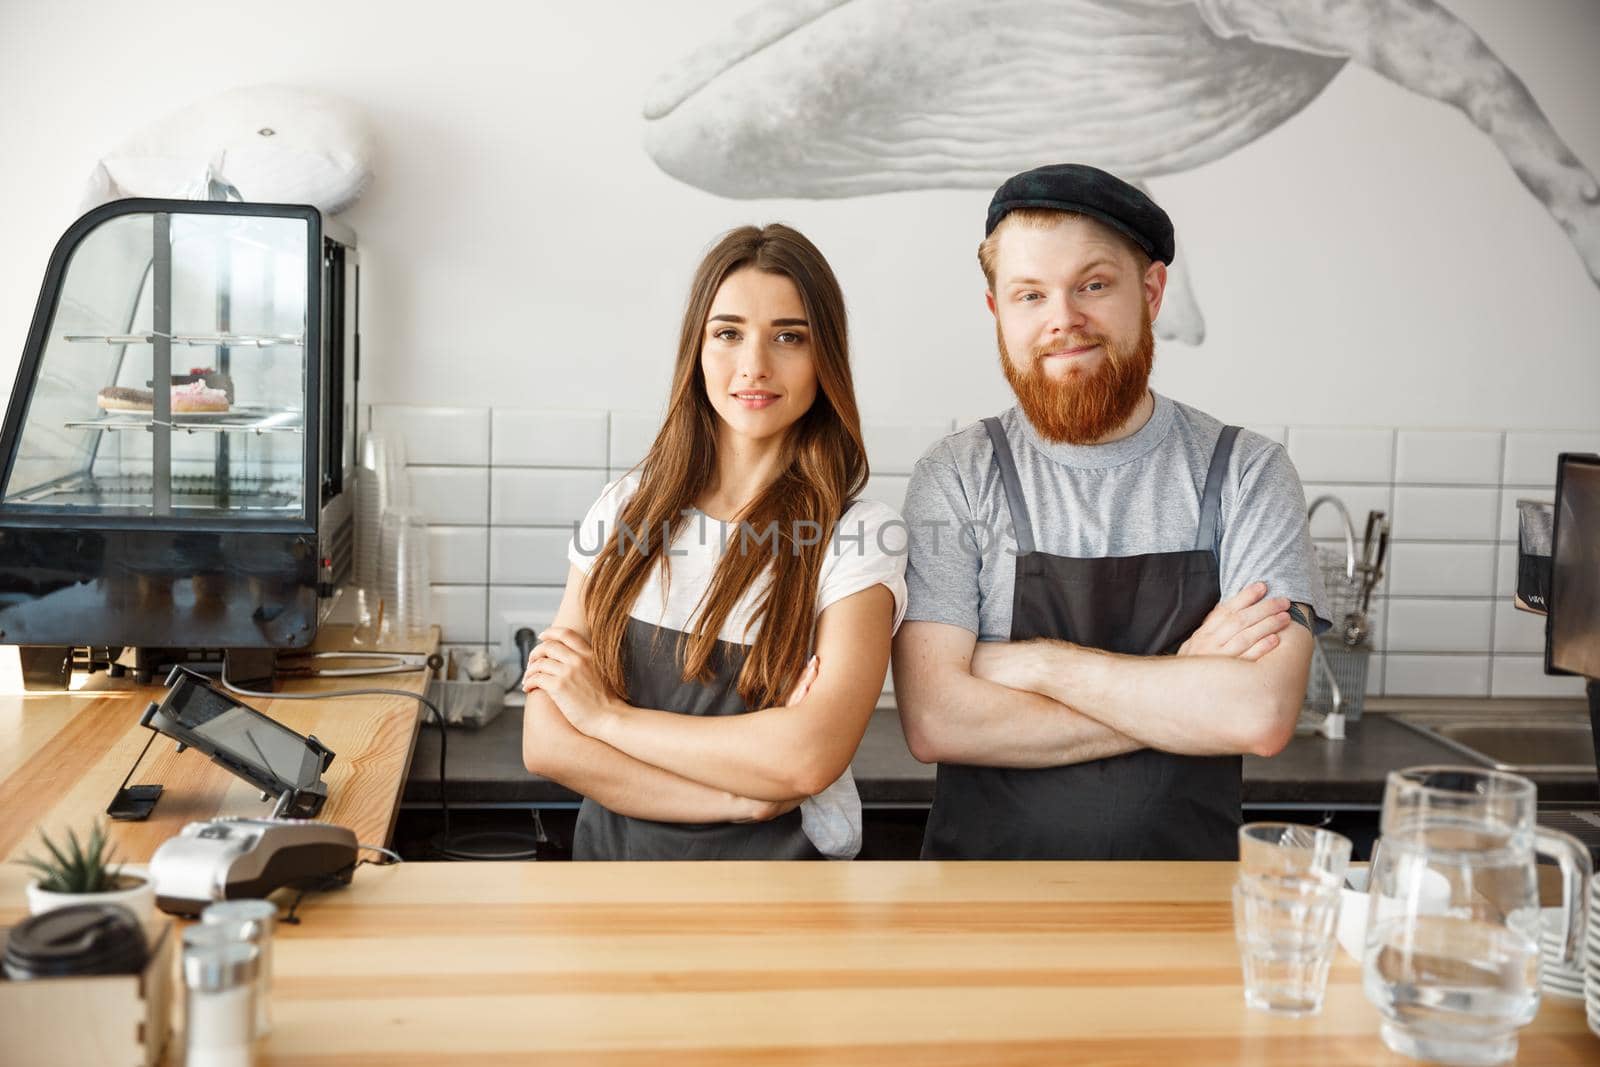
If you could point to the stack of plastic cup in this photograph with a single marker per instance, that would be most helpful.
(403, 574)
(383, 485)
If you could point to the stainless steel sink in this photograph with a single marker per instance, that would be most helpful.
(1548, 747)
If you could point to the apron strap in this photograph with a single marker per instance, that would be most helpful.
(1020, 523)
(1210, 537)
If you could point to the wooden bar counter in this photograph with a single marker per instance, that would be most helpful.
(63, 755)
(769, 963)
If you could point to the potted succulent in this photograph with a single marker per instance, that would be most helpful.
(84, 873)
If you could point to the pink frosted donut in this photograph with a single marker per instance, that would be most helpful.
(196, 396)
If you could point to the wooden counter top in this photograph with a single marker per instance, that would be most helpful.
(63, 755)
(919, 964)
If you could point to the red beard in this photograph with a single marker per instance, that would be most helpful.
(1081, 409)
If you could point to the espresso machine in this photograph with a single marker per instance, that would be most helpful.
(177, 464)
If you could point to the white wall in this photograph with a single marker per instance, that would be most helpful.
(1373, 261)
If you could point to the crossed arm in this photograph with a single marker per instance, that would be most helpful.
(1235, 686)
(686, 768)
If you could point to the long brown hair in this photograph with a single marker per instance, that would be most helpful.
(823, 465)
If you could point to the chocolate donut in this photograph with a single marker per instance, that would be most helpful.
(125, 398)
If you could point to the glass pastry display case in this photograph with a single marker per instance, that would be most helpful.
(179, 450)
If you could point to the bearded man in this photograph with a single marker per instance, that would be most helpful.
(1112, 595)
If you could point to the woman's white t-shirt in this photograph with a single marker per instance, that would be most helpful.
(865, 550)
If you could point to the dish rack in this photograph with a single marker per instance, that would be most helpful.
(1337, 686)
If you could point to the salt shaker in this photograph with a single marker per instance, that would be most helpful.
(219, 985)
(251, 922)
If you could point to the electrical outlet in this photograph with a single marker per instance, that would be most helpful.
(506, 649)
(516, 607)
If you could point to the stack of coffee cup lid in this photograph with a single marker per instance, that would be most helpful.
(1554, 978)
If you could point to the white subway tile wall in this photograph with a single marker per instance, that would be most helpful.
(1531, 456)
(529, 555)
(523, 438)
(1418, 625)
(1323, 454)
(1436, 457)
(461, 611)
(1505, 570)
(503, 487)
(1441, 569)
(1411, 675)
(451, 496)
(533, 496)
(458, 555)
(1523, 676)
(1428, 514)
(632, 434)
(1517, 631)
(457, 437)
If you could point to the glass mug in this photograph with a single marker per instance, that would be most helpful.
(1455, 978)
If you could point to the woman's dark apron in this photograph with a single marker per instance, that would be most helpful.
(1141, 805)
(652, 659)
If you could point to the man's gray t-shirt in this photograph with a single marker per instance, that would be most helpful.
(1127, 498)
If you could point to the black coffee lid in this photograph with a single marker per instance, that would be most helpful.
(81, 939)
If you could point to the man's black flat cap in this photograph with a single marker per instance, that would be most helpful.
(1089, 191)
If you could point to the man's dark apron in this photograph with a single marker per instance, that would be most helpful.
(652, 658)
(1141, 805)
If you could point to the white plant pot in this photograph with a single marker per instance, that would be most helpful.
(139, 899)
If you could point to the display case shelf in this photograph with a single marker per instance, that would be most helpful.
(203, 340)
(189, 493)
(239, 419)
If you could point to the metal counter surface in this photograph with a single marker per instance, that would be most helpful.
(485, 767)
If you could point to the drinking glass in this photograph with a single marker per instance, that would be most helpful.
(1285, 907)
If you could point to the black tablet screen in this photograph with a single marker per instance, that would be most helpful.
(246, 734)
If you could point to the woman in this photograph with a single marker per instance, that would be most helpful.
(720, 647)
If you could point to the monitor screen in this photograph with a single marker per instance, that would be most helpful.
(1574, 624)
(247, 735)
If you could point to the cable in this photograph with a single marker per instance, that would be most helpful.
(443, 841)
(394, 857)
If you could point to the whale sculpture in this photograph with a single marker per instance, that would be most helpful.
(842, 98)
(271, 143)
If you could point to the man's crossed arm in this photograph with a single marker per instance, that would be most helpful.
(1235, 686)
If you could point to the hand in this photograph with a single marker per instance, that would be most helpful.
(1245, 626)
(1007, 663)
(803, 686)
(562, 665)
(748, 810)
